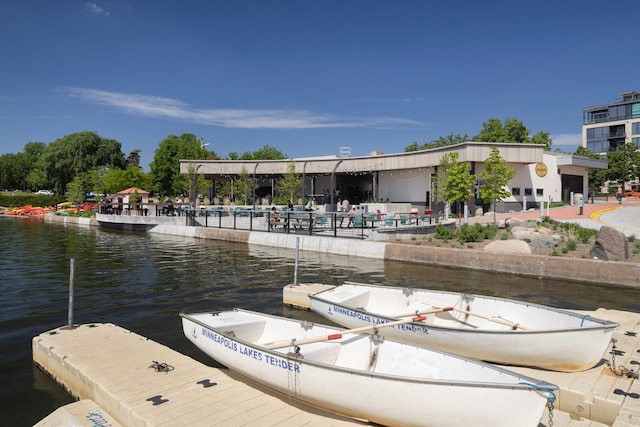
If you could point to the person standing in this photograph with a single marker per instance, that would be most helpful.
(619, 195)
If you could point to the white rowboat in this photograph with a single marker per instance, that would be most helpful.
(367, 376)
(487, 328)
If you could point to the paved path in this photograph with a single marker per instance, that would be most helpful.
(624, 217)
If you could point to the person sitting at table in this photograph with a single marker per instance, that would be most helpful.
(274, 218)
(311, 205)
(339, 205)
(290, 205)
(352, 213)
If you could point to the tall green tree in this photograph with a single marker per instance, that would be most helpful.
(290, 183)
(72, 154)
(14, 170)
(497, 175)
(444, 167)
(165, 167)
(513, 130)
(442, 141)
(542, 138)
(201, 183)
(265, 153)
(243, 184)
(458, 187)
(624, 163)
(75, 190)
(34, 160)
(120, 179)
(133, 158)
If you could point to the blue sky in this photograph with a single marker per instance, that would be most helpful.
(307, 77)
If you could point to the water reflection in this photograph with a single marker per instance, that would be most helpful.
(142, 282)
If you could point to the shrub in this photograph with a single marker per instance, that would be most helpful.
(573, 231)
(476, 232)
(444, 233)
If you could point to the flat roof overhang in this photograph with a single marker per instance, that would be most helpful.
(468, 152)
(585, 162)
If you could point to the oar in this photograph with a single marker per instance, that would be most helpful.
(292, 342)
(499, 320)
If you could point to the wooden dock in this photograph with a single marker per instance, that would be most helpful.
(598, 397)
(124, 379)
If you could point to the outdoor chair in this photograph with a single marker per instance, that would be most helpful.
(321, 221)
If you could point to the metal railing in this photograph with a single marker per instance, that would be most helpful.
(336, 224)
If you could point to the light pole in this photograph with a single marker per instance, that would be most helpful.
(333, 183)
(253, 185)
(195, 183)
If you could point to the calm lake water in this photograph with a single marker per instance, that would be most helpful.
(142, 282)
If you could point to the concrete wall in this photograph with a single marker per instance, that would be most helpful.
(63, 219)
(610, 273)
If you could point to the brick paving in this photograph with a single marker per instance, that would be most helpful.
(624, 217)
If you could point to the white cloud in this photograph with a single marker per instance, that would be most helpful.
(570, 141)
(94, 8)
(154, 106)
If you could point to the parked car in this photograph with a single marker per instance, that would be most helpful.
(45, 192)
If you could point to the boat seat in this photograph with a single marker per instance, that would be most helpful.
(350, 297)
(248, 331)
(321, 352)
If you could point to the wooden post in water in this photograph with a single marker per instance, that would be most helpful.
(71, 285)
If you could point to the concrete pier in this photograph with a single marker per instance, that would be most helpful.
(133, 381)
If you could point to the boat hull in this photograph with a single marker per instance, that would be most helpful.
(553, 339)
(417, 399)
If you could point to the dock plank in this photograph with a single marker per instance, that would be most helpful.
(598, 395)
(111, 366)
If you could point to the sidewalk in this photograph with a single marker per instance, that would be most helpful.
(624, 217)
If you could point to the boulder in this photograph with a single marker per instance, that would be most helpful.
(544, 230)
(610, 245)
(515, 223)
(543, 241)
(509, 246)
(535, 239)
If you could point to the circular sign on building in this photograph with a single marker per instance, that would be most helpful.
(541, 169)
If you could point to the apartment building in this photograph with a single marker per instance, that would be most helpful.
(607, 127)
